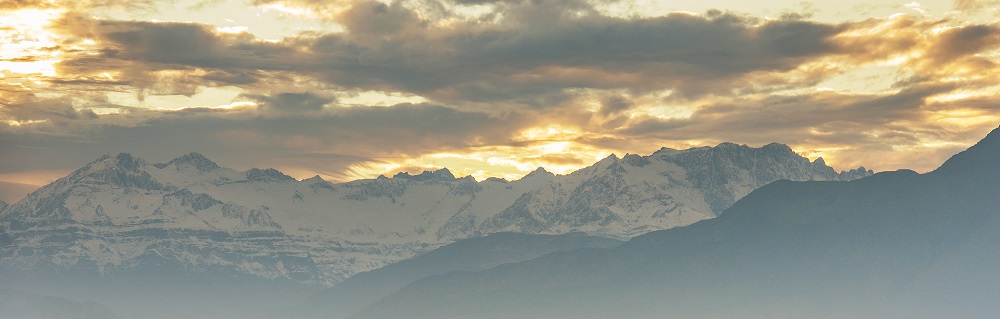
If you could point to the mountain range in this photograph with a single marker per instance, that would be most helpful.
(122, 214)
(893, 245)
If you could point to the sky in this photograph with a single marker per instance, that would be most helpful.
(350, 89)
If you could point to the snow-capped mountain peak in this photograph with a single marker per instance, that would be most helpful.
(443, 174)
(635, 160)
(539, 172)
(314, 179)
(121, 170)
(267, 175)
(121, 162)
(195, 160)
(665, 151)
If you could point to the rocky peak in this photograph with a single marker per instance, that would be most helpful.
(439, 175)
(198, 161)
(539, 172)
(819, 162)
(443, 173)
(856, 173)
(728, 145)
(665, 151)
(501, 180)
(123, 170)
(3, 205)
(314, 179)
(122, 161)
(777, 148)
(317, 182)
(267, 175)
(635, 160)
(611, 159)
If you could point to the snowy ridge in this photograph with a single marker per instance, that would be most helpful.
(120, 213)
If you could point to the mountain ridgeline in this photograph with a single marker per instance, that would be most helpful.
(120, 213)
(120, 225)
(893, 245)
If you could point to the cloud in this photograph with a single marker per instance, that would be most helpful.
(375, 19)
(972, 5)
(147, 5)
(522, 77)
(19, 104)
(291, 102)
(614, 104)
(963, 41)
(522, 58)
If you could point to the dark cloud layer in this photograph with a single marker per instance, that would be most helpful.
(291, 102)
(524, 58)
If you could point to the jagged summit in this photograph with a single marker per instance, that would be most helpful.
(498, 179)
(123, 170)
(665, 151)
(193, 159)
(635, 160)
(730, 145)
(314, 179)
(819, 161)
(856, 173)
(774, 146)
(268, 175)
(123, 161)
(538, 172)
(605, 162)
(439, 175)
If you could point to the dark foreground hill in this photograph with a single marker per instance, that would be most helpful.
(21, 305)
(472, 254)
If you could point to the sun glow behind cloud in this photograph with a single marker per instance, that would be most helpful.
(28, 46)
